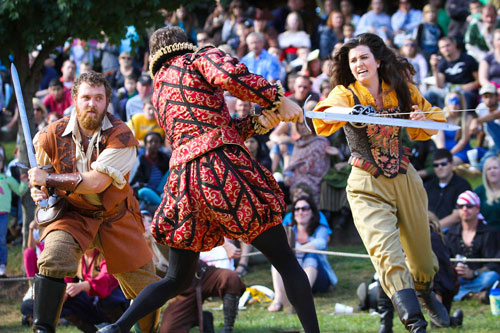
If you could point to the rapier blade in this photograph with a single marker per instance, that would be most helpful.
(380, 120)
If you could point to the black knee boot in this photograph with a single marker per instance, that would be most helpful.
(436, 310)
(406, 304)
(49, 296)
(230, 307)
(386, 311)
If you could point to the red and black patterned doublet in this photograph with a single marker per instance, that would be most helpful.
(215, 188)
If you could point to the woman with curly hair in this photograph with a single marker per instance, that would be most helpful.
(385, 193)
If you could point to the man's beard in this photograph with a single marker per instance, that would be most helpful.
(87, 121)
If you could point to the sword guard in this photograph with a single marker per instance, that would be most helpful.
(365, 110)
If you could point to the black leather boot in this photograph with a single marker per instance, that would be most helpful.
(385, 310)
(208, 322)
(49, 296)
(230, 307)
(437, 312)
(457, 318)
(406, 304)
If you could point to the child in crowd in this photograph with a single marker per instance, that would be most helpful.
(428, 32)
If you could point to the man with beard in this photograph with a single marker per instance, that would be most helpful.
(90, 154)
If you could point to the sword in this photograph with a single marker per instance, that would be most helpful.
(342, 114)
(25, 124)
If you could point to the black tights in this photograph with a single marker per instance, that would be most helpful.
(182, 266)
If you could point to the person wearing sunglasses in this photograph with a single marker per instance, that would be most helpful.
(444, 188)
(308, 233)
(473, 238)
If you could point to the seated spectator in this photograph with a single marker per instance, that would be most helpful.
(281, 142)
(182, 312)
(479, 34)
(455, 71)
(489, 66)
(262, 26)
(294, 36)
(489, 192)
(236, 13)
(125, 93)
(428, 33)
(212, 30)
(310, 160)
(126, 69)
(320, 79)
(456, 141)
(313, 66)
(325, 89)
(145, 122)
(258, 152)
(409, 50)
(375, 21)
(404, 21)
(488, 121)
(346, 8)
(308, 233)
(472, 238)
(144, 88)
(39, 114)
(258, 60)
(422, 153)
(444, 188)
(8, 185)
(68, 71)
(348, 31)
(331, 33)
(58, 99)
(147, 177)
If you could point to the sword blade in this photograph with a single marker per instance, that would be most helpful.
(24, 117)
(380, 120)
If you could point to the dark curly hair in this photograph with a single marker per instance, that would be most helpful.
(93, 79)
(394, 70)
(314, 223)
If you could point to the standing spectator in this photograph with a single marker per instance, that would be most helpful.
(185, 20)
(331, 33)
(479, 34)
(135, 104)
(472, 238)
(428, 33)
(488, 119)
(455, 71)
(489, 192)
(308, 233)
(68, 71)
(7, 186)
(117, 78)
(109, 56)
(443, 19)
(258, 60)
(404, 21)
(444, 188)
(58, 99)
(142, 123)
(375, 21)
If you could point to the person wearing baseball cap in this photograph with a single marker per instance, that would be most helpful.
(473, 238)
(144, 89)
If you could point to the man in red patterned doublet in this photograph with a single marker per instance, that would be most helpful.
(215, 188)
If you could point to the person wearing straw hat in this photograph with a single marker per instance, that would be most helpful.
(473, 238)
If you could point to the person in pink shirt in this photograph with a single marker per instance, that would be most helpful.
(58, 99)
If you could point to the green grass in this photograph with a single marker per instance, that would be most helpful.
(255, 318)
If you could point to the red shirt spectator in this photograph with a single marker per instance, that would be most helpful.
(58, 99)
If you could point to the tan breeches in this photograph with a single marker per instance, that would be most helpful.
(391, 218)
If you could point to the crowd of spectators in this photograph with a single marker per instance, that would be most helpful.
(454, 48)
